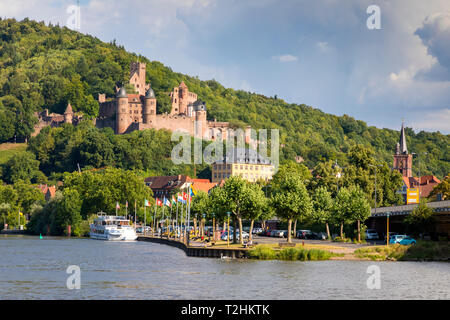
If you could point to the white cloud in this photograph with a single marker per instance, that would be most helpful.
(323, 46)
(433, 121)
(435, 35)
(285, 58)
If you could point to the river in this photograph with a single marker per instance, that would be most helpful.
(33, 268)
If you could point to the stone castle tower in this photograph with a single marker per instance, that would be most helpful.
(402, 159)
(127, 112)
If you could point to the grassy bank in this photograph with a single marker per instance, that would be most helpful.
(7, 150)
(422, 251)
(263, 252)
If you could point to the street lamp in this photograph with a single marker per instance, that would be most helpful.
(387, 228)
(228, 229)
(214, 226)
(203, 225)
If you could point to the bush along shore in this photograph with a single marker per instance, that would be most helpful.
(268, 253)
(422, 251)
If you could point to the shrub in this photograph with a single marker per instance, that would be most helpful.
(262, 253)
(288, 254)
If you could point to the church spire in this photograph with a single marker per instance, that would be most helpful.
(402, 142)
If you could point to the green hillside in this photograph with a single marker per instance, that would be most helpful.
(46, 66)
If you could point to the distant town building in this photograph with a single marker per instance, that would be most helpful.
(403, 164)
(165, 186)
(48, 191)
(246, 163)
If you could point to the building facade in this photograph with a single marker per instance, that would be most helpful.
(403, 164)
(246, 163)
(137, 111)
(56, 120)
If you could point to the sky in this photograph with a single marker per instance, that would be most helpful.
(321, 53)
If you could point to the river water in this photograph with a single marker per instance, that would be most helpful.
(31, 268)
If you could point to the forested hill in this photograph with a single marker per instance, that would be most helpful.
(46, 66)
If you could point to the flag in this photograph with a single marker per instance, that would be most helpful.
(117, 205)
(146, 203)
(159, 202)
(174, 200)
(166, 202)
(180, 197)
(192, 192)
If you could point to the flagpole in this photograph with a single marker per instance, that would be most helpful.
(176, 217)
(171, 212)
(154, 220)
(189, 211)
(134, 213)
(145, 218)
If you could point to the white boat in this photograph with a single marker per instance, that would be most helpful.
(114, 228)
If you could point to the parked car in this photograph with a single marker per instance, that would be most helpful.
(224, 236)
(396, 238)
(390, 235)
(322, 236)
(281, 233)
(371, 234)
(257, 230)
(304, 234)
(273, 233)
(408, 241)
(141, 229)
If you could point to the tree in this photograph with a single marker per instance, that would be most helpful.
(67, 212)
(342, 209)
(29, 196)
(421, 219)
(291, 199)
(236, 196)
(254, 205)
(291, 167)
(359, 208)
(101, 190)
(23, 166)
(322, 207)
(199, 206)
(442, 188)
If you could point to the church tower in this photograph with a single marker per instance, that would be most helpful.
(122, 116)
(149, 112)
(402, 159)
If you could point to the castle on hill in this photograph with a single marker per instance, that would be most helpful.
(127, 112)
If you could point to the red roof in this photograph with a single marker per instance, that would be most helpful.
(427, 183)
(203, 186)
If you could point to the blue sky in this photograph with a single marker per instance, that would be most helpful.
(320, 52)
